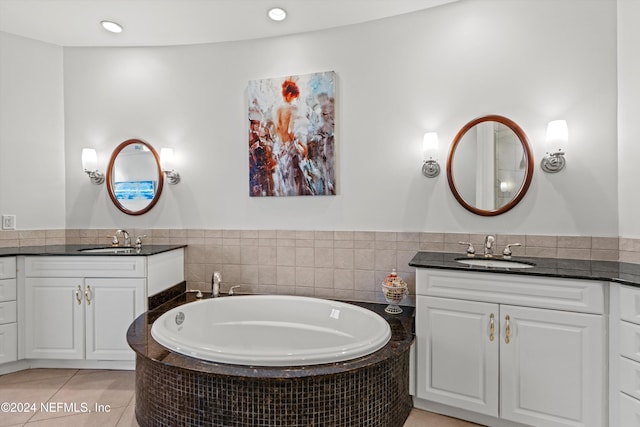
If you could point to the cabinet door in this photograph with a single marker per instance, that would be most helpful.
(552, 367)
(54, 318)
(457, 359)
(8, 343)
(111, 306)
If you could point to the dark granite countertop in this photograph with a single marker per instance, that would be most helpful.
(76, 250)
(609, 271)
(140, 339)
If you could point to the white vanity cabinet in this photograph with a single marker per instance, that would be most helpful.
(512, 348)
(80, 307)
(625, 354)
(81, 318)
(8, 310)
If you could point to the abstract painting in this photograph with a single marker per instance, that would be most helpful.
(291, 135)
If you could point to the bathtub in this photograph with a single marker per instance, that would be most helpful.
(271, 330)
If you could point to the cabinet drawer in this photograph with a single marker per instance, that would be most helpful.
(554, 293)
(7, 290)
(7, 267)
(629, 411)
(8, 343)
(630, 340)
(630, 377)
(98, 266)
(7, 312)
(630, 304)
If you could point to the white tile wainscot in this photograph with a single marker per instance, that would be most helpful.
(75, 310)
(511, 350)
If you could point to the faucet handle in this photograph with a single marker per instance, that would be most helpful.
(231, 290)
(471, 251)
(114, 240)
(507, 250)
(138, 243)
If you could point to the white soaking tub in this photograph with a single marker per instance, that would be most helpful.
(271, 330)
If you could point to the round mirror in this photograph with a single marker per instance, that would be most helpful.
(134, 177)
(490, 165)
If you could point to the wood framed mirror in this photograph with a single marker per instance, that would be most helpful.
(490, 165)
(134, 177)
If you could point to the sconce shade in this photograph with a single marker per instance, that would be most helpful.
(166, 159)
(430, 145)
(89, 159)
(557, 135)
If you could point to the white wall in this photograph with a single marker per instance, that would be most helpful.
(628, 115)
(32, 185)
(530, 60)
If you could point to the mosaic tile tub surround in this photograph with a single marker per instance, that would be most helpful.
(172, 389)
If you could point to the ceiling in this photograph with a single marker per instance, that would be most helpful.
(177, 22)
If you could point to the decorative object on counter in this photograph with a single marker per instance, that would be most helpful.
(557, 136)
(430, 168)
(394, 290)
(166, 162)
(490, 165)
(90, 165)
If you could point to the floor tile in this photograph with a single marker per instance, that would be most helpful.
(128, 418)
(35, 375)
(108, 389)
(103, 419)
(33, 393)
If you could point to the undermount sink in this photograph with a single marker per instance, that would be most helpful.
(494, 263)
(113, 250)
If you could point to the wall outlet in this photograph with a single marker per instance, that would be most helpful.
(8, 222)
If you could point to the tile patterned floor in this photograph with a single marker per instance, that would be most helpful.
(100, 398)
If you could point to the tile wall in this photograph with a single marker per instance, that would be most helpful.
(332, 264)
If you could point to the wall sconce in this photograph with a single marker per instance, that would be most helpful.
(430, 168)
(90, 165)
(166, 162)
(557, 136)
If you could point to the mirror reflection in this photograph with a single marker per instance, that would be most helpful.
(134, 177)
(490, 165)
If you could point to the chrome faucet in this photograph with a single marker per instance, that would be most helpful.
(216, 278)
(126, 238)
(488, 246)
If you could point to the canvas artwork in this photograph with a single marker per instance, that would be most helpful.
(291, 135)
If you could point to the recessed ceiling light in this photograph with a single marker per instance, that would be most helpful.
(277, 14)
(111, 26)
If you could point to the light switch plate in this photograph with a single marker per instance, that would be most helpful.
(8, 222)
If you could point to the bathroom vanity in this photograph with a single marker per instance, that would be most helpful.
(534, 346)
(8, 311)
(75, 303)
